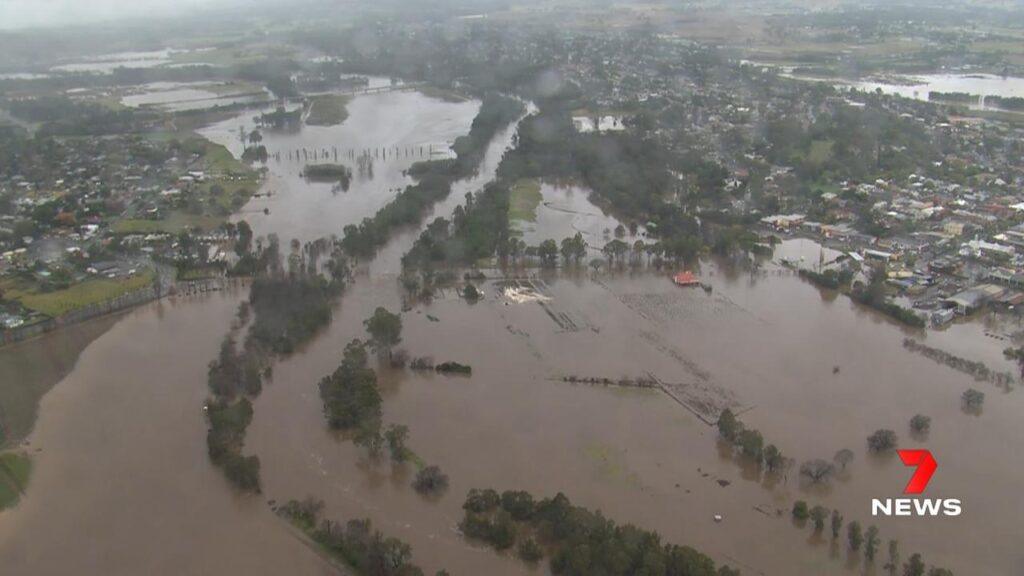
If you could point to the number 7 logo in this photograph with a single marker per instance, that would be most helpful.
(926, 465)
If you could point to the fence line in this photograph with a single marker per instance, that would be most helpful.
(116, 304)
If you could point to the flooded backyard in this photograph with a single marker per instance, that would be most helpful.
(123, 482)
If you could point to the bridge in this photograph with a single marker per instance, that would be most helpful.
(405, 87)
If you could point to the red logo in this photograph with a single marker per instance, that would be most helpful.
(925, 464)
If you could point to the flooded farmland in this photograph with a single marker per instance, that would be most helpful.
(122, 478)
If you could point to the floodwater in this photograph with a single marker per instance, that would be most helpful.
(107, 63)
(124, 485)
(181, 96)
(564, 210)
(32, 367)
(395, 129)
(121, 484)
(918, 87)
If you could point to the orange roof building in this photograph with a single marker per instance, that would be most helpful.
(686, 278)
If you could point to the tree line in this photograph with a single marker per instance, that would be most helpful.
(284, 310)
(577, 541)
(863, 541)
(435, 178)
(355, 543)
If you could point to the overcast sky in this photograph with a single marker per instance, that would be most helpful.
(46, 13)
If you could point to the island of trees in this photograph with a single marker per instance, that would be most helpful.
(578, 541)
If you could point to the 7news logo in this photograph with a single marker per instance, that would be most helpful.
(925, 465)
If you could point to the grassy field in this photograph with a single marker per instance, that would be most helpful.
(219, 158)
(821, 151)
(77, 296)
(173, 224)
(328, 110)
(15, 470)
(526, 197)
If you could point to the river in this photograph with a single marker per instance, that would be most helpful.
(124, 486)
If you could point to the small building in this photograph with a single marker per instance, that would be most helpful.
(974, 299)
(877, 255)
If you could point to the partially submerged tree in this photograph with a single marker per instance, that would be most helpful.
(893, 564)
(430, 480)
(973, 399)
(817, 470)
(871, 543)
(837, 523)
(728, 426)
(855, 535)
(800, 511)
(751, 443)
(385, 330)
(396, 435)
(915, 566)
(882, 440)
(818, 514)
(843, 457)
(773, 459)
(920, 424)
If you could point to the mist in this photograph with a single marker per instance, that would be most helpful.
(19, 14)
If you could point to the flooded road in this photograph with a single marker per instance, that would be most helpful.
(124, 485)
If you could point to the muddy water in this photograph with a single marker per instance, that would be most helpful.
(766, 344)
(32, 367)
(122, 437)
(121, 483)
(410, 121)
(565, 210)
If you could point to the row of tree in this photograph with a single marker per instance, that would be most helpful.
(860, 539)
(355, 543)
(579, 542)
(284, 310)
(477, 230)
(750, 442)
(435, 178)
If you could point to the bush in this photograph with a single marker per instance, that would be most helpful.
(882, 441)
(920, 424)
(430, 480)
(529, 551)
(453, 368)
(800, 510)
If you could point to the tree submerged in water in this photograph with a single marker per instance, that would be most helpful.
(430, 480)
(385, 331)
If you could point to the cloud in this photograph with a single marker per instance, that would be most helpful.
(50, 13)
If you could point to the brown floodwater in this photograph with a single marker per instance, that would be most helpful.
(121, 484)
(124, 486)
(32, 367)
